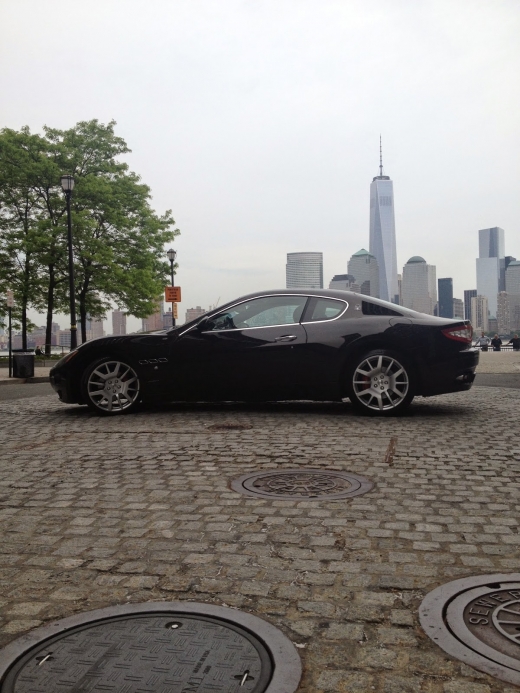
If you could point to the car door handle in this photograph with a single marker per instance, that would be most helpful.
(286, 338)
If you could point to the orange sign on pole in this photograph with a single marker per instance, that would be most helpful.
(172, 294)
(175, 311)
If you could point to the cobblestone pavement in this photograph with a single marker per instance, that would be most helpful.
(97, 512)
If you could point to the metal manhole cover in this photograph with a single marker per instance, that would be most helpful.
(477, 620)
(310, 484)
(172, 647)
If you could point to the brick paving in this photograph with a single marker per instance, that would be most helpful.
(102, 511)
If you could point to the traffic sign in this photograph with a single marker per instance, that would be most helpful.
(172, 294)
(175, 311)
(9, 299)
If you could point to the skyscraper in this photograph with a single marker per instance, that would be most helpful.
(419, 287)
(118, 322)
(445, 297)
(458, 308)
(344, 282)
(491, 266)
(382, 232)
(363, 266)
(304, 271)
(479, 314)
(468, 295)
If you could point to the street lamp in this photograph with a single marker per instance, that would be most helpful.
(172, 254)
(67, 184)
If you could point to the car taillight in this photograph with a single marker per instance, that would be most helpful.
(459, 334)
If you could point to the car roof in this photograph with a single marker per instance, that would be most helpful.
(327, 293)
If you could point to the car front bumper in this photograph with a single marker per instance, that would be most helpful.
(61, 384)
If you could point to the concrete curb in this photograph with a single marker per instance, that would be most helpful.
(21, 381)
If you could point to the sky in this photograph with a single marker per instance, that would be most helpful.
(257, 122)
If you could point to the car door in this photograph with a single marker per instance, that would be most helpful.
(329, 332)
(255, 349)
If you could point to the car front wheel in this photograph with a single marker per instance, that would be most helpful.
(111, 386)
(380, 383)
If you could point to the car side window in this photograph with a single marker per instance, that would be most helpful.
(259, 312)
(326, 309)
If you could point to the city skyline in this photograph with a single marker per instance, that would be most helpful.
(266, 131)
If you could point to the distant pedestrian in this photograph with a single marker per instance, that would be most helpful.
(515, 341)
(496, 343)
(38, 351)
(483, 342)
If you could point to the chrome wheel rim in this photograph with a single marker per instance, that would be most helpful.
(113, 386)
(380, 383)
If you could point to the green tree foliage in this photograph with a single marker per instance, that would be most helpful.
(118, 239)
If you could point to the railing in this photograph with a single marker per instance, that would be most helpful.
(504, 347)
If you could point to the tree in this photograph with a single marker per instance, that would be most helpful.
(22, 158)
(118, 239)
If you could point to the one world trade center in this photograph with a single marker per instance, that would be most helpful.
(382, 233)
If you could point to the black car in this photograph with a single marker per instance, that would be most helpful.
(278, 345)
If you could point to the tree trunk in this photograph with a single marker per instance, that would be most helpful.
(24, 324)
(50, 310)
(83, 316)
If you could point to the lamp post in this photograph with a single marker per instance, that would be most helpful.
(67, 184)
(172, 254)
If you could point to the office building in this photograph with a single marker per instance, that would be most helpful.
(458, 309)
(419, 287)
(503, 313)
(194, 313)
(445, 286)
(480, 313)
(468, 295)
(344, 282)
(155, 321)
(118, 322)
(513, 293)
(491, 266)
(365, 270)
(304, 271)
(93, 329)
(382, 233)
(513, 277)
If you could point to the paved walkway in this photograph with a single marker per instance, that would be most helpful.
(41, 374)
(102, 511)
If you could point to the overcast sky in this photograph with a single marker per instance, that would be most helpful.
(257, 121)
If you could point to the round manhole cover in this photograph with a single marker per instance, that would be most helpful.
(172, 647)
(477, 620)
(300, 484)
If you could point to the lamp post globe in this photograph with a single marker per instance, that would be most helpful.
(171, 255)
(67, 184)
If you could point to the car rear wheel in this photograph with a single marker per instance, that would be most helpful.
(111, 386)
(380, 383)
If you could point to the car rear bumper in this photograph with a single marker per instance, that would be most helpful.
(454, 375)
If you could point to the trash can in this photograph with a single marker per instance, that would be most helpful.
(23, 364)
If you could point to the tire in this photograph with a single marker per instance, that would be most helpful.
(380, 383)
(111, 386)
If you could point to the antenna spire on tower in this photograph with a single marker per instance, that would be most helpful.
(380, 157)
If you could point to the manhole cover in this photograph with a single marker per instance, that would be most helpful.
(312, 484)
(477, 620)
(169, 647)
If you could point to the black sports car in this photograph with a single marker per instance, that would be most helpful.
(278, 345)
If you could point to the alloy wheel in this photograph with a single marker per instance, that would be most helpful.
(380, 383)
(113, 386)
